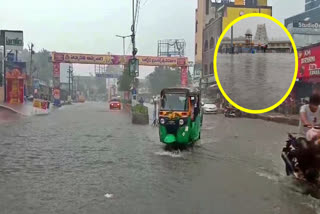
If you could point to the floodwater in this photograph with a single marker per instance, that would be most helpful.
(85, 159)
(256, 81)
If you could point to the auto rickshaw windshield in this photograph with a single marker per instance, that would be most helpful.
(174, 102)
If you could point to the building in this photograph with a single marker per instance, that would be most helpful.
(261, 43)
(305, 27)
(305, 30)
(205, 11)
(211, 19)
(309, 72)
(311, 4)
(211, 34)
(261, 36)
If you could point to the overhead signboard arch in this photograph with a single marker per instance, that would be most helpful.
(76, 58)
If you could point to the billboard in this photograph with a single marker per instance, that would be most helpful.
(16, 70)
(13, 40)
(117, 59)
(303, 24)
(184, 76)
(309, 63)
(232, 13)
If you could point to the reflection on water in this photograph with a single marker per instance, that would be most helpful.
(256, 81)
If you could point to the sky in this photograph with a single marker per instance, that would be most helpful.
(90, 26)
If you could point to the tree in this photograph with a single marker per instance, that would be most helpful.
(125, 81)
(163, 77)
(41, 66)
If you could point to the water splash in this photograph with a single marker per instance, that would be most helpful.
(173, 154)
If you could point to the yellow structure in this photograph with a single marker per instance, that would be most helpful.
(239, 2)
(262, 2)
(234, 12)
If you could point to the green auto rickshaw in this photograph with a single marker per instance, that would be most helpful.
(180, 116)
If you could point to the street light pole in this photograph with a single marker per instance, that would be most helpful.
(232, 48)
(31, 72)
(124, 43)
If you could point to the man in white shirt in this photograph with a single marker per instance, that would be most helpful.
(309, 114)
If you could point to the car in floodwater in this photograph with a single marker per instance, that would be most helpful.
(115, 103)
(209, 106)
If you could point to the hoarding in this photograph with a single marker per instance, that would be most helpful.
(184, 76)
(16, 70)
(117, 59)
(303, 24)
(232, 13)
(56, 70)
(13, 40)
(309, 63)
(40, 104)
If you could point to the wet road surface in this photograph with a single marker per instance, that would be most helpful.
(256, 81)
(68, 161)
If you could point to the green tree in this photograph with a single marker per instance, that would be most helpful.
(125, 81)
(41, 66)
(163, 77)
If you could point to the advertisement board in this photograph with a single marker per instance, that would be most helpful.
(56, 70)
(117, 59)
(41, 104)
(303, 24)
(13, 40)
(184, 76)
(309, 62)
(16, 70)
(231, 13)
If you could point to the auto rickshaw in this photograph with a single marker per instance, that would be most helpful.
(180, 116)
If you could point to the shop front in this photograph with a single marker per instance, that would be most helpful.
(15, 82)
(309, 71)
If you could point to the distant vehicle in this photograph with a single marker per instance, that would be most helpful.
(232, 112)
(82, 99)
(209, 107)
(115, 103)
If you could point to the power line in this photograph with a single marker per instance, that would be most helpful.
(137, 15)
(145, 3)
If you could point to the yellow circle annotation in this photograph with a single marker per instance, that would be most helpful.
(260, 111)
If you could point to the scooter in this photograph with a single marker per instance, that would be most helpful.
(232, 112)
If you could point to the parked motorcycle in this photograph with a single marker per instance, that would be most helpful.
(232, 112)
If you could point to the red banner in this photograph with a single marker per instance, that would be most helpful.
(56, 94)
(184, 76)
(15, 91)
(15, 73)
(309, 63)
(56, 69)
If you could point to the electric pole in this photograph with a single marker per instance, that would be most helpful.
(70, 72)
(133, 36)
(72, 91)
(30, 69)
(232, 48)
(124, 43)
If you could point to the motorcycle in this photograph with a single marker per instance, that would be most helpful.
(302, 158)
(232, 112)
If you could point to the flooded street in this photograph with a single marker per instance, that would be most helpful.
(256, 81)
(85, 159)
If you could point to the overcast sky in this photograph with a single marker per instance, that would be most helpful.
(91, 26)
